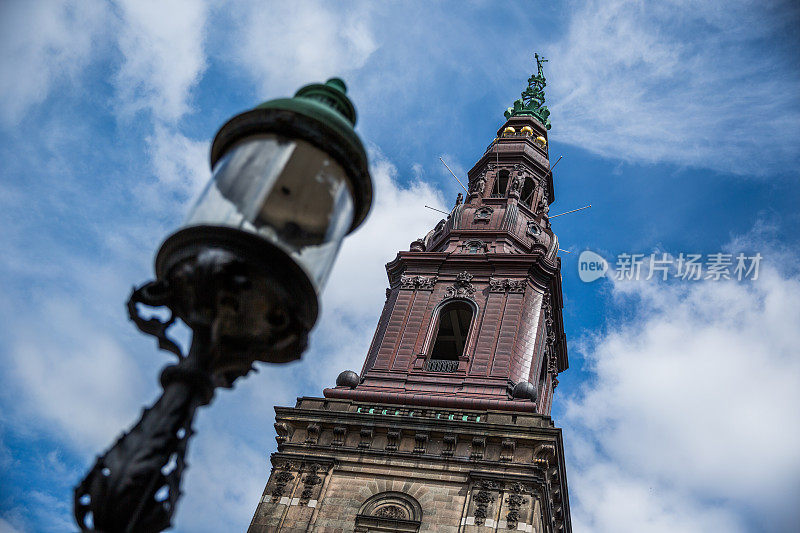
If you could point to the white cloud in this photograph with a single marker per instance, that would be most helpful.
(180, 169)
(43, 44)
(690, 423)
(76, 377)
(226, 472)
(289, 44)
(5, 527)
(688, 83)
(162, 44)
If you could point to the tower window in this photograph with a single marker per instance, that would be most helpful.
(451, 337)
(500, 184)
(528, 191)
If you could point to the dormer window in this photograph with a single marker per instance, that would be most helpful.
(500, 184)
(474, 246)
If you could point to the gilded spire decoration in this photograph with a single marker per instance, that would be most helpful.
(532, 102)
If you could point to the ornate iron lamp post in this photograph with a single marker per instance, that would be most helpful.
(290, 180)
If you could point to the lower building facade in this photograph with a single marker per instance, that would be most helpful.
(350, 466)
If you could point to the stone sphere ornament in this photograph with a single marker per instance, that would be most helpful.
(348, 378)
(524, 390)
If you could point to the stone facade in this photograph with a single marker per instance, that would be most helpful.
(466, 470)
(422, 442)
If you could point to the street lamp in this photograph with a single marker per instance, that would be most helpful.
(244, 273)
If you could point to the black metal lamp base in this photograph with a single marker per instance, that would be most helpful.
(245, 300)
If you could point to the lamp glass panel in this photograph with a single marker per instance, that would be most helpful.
(285, 190)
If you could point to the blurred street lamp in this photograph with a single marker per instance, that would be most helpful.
(244, 273)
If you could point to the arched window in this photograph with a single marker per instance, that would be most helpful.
(500, 184)
(389, 511)
(528, 191)
(452, 332)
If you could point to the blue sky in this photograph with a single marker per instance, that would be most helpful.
(678, 121)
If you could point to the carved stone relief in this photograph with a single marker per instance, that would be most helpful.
(282, 479)
(515, 502)
(483, 214)
(424, 283)
(417, 246)
(506, 285)
(483, 498)
(391, 511)
(534, 231)
(550, 343)
(478, 185)
(462, 288)
(309, 482)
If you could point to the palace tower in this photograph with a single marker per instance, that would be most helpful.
(447, 428)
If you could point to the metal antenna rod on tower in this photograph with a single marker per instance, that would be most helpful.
(439, 210)
(554, 164)
(568, 212)
(451, 172)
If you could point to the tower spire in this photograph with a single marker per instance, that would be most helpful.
(531, 102)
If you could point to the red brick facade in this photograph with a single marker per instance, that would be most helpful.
(502, 247)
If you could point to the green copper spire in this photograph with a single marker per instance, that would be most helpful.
(532, 102)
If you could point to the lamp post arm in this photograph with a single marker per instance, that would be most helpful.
(238, 313)
(134, 487)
